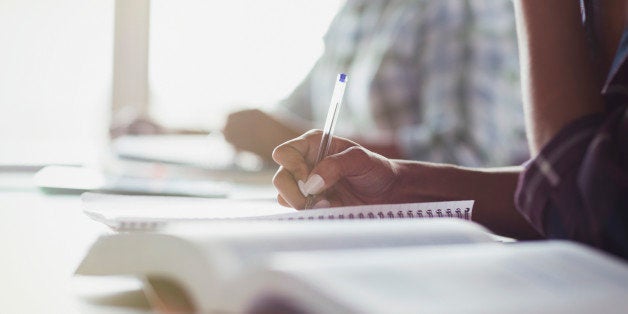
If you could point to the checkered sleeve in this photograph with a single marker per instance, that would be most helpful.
(577, 187)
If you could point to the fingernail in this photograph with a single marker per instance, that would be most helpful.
(313, 185)
(322, 204)
(301, 187)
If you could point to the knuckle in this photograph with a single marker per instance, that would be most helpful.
(358, 153)
(313, 132)
(313, 135)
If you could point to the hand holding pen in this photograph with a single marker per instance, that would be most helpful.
(330, 124)
(350, 175)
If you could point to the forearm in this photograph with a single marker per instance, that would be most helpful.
(557, 69)
(492, 189)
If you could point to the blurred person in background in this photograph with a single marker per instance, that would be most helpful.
(432, 80)
(429, 80)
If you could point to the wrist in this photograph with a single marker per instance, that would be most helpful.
(491, 189)
(424, 182)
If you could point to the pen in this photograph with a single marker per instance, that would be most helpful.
(330, 124)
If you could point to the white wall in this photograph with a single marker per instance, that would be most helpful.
(55, 73)
(207, 57)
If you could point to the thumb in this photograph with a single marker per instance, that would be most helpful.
(352, 162)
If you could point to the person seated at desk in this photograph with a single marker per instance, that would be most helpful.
(431, 80)
(576, 184)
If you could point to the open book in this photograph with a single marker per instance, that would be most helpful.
(365, 266)
(151, 213)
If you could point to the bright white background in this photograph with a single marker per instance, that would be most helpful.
(207, 58)
(55, 76)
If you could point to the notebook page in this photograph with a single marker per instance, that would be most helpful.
(128, 213)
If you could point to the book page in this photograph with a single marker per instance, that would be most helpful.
(534, 277)
(248, 240)
(204, 256)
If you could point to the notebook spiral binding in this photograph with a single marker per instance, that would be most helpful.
(418, 213)
(139, 225)
(461, 213)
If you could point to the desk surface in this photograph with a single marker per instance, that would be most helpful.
(42, 239)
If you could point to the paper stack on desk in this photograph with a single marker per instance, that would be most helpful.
(76, 180)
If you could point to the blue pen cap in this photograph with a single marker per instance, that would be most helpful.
(343, 77)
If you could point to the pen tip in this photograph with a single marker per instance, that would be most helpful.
(342, 77)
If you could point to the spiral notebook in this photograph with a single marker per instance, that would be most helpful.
(148, 213)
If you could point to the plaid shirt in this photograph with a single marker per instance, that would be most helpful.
(577, 187)
(440, 76)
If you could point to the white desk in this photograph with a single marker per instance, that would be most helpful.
(42, 240)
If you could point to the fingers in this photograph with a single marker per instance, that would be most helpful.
(322, 203)
(293, 179)
(303, 144)
(288, 189)
(354, 162)
(289, 179)
(282, 201)
(298, 154)
(294, 155)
